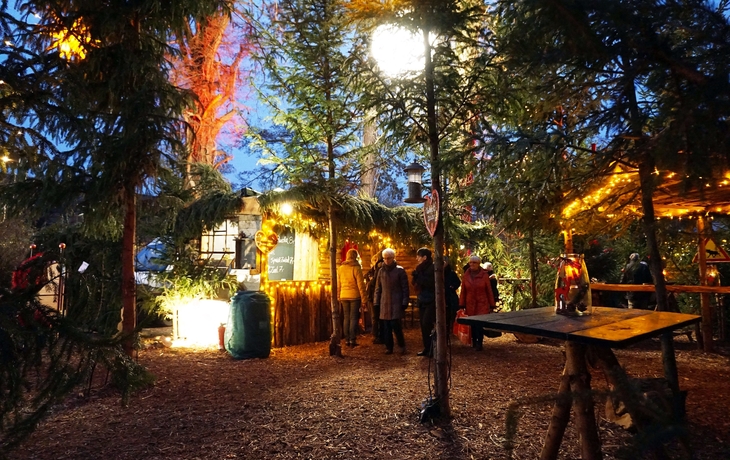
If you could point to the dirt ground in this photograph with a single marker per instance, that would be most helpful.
(302, 403)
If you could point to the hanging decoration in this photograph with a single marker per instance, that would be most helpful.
(431, 212)
(266, 241)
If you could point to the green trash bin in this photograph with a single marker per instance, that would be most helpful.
(248, 330)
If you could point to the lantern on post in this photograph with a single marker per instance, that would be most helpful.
(415, 174)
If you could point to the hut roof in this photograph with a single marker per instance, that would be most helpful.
(359, 213)
(675, 196)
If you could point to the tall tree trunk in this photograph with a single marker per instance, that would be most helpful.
(647, 184)
(442, 384)
(336, 339)
(129, 290)
(646, 177)
(370, 175)
(533, 269)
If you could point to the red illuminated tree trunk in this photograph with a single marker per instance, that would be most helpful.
(211, 68)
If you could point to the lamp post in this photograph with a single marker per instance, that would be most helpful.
(424, 49)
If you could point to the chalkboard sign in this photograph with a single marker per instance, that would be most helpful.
(281, 258)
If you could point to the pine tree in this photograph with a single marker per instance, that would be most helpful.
(309, 52)
(115, 115)
(651, 78)
(657, 74)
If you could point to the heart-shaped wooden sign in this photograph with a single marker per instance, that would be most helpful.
(266, 241)
(431, 212)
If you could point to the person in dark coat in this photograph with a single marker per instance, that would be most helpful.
(642, 275)
(423, 281)
(451, 285)
(627, 277)
(493, 281)
(371, 279)
(391, 298)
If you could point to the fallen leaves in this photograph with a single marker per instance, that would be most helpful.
(300, 403)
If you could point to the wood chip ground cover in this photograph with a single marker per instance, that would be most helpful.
(302, 403)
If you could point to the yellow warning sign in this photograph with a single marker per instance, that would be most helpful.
(714, 253)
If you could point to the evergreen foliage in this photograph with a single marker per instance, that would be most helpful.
(45, 356)
(130, 111)
(359, 213)
(643, 82)
(309, 51)
(88, 127)
(15, 239)
(649, 78)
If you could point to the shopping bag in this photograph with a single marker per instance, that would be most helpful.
(462, 331)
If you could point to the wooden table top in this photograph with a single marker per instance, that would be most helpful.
(611, 327)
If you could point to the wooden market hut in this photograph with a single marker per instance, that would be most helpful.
(295, 269)
(620, 195)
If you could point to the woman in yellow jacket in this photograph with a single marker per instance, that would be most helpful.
(351, 293)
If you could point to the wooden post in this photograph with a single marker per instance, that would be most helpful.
(575, 387)
(704, 297)
(558, 420)
(580, 387)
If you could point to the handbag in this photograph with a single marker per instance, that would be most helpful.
(462, 331)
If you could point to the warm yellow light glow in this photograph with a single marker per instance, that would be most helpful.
(72, 44)
(287, 209)
(397, 51)
(198, 321)
(616, 180)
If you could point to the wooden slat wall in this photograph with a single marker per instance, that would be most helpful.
(301, 312)
(306, 257)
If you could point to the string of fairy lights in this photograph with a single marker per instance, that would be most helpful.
(622, 182)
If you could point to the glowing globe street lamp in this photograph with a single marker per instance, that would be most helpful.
(397, 51)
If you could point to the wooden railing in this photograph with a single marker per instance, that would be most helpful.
(679, 288)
